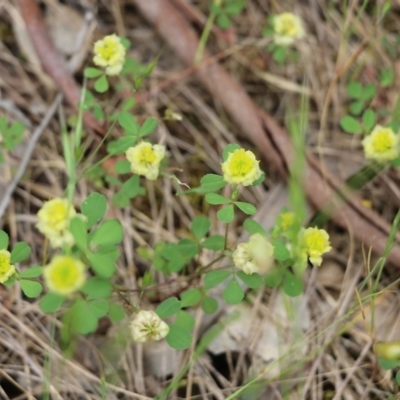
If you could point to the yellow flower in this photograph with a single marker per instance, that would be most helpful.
(148, 327)
(242, 167)
(6, 269)
(54, 219)
(257, 255)
(287, 27)
(314, 242)
(64, 275)
(110, 54)
(287, 220)
(382, 144)
(145, 159)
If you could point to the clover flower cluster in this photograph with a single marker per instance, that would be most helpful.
(381, 145)
(241, 167)
(6, 268)
(109, 53)
(287, 28)
(148, 327)
(54, 218)
(254, 256)
(145, 159)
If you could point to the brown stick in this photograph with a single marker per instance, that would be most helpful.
(52, 62)
(265, 133)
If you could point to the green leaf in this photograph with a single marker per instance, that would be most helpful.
(51, 302)
(209, 305)
(387, 364)
(281, 252)
(292, 285)
(3, 240)
(149, 126)
(275, 277)
(368, 91)
(369, 119)
(259, 181)
(82, 318)
(97, 287)
(101, 264)
(116, 313)
(200, 226)
(233, 293)
(386, 77)
(356, 107)
(20, 252)
(94, 208)
(92, 72)
(223, 21)
(120, 200)
(32, 272)
(214, 278)
(212, 182)
(30, 288)
(354, 90)
(253, 227)
(268, 31)
(179, 338)
(253, 281)
(122, 167)
(190, 297)
(185, 320)
(121, 145)
(131, 188)
(78, 229)
(168, 307)
(279, 54)
(226, 214)
(215, 199)
(396, 162)
(188, 248)
(214, 242)
(247, 208)
(101, 84)
(230, 148)
(350, 125)
(10, 281)
(125, 42)
(99, 307)
(129, 123)
(109, 232)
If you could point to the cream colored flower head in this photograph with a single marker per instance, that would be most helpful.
(148, 327)
(64, 275)
(382, 144)
(241, 167)
(314, 243)
(287, 28)
(54, 218)
(6, 269)
(257, 255)
(109, 53)
(145, 159)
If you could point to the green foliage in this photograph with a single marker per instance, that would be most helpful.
(214, 278)
(30, 288)
(226, 10)
(190, 297)
(20, 252)
(169, 307)
(11, 135)
(233, 293)
(51, 302)
(226, 214)
(94, 208)
(253, 227)
(253, 281)
(3, 240)
(214, 242)
(179, 337)
(200, 226)
(209, 305)
(292, 285)
(101, 85)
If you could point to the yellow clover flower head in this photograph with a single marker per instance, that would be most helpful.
(287, 220)
(382, 144)
(54, 218)
(287, 28)
(64, 275)
(315, 242)
(109, 53)
(6, 269)
(148, 327)
(145, 159)
(241, 167)
(257, 255)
